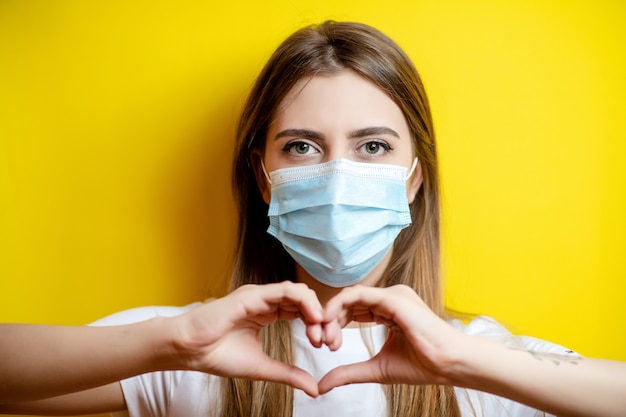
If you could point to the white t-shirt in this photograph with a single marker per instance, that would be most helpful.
(196, 394)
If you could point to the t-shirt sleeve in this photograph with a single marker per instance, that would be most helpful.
(150, 394)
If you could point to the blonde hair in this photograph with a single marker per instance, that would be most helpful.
(329, 48)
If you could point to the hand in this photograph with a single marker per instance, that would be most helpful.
(222, 337)
(417, 348)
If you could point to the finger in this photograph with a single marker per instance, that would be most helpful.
(287, 297)
(328, 334)
(349, 374)
(276, 371)
(358, 303)
(366, 304)
(332, 336)
(314, 333)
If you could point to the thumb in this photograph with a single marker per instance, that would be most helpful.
(276, 371)
(349, 374)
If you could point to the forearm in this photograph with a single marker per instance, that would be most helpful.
(38, 361)
(561, 385)
(219, 337)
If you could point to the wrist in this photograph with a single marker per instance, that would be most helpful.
(164, 344)
(463, 361)
(485, 365)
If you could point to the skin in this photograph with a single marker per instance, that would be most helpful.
(221, 337)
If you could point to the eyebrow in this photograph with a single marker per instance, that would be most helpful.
(373, 131)
(301, 133)
(359, 133)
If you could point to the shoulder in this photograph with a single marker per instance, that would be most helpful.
(136, 315)
(490, 328)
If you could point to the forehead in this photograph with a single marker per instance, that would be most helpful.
(335, 101)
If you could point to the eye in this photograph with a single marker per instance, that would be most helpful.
(376, 148)
(299, 147)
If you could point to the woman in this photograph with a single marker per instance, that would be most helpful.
(335, 177)
(320, 87)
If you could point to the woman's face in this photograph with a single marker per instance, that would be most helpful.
(338, 116)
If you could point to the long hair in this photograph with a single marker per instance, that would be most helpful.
(325, 49)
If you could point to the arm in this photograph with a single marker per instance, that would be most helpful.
(38, 361)
(101, 400)
(220, 337)
(423, 349)
(561, 385)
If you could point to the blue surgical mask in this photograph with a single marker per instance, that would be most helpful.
(339, 219)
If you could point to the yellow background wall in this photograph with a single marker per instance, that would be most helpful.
(116, 125)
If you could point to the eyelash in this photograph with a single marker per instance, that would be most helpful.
(386, 147)
(288, 148)
(291, 145)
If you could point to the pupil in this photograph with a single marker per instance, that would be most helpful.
(302, 148)
(372, 147)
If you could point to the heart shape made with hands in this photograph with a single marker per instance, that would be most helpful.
(319, 334)
(400, 360)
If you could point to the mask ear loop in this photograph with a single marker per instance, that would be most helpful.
(407, 175)
(265, 172)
